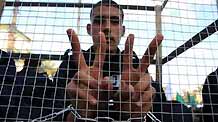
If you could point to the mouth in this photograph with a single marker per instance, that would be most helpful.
(109, 39)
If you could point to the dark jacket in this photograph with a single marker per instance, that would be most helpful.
(164, 110)
(67, 70)
(210, 97)
(7, 68)
(36, 96)
(32, 95)
(24, 95)
(7, 73)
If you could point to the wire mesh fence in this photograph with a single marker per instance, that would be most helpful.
(37, 62)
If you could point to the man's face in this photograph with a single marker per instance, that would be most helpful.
(106, 19)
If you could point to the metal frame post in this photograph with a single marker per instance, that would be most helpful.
(158, 10)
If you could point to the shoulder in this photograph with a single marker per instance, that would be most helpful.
(211, 83)
(67, 67)
(5, 58)
(68, 57)
(212, 77)
(7, 62)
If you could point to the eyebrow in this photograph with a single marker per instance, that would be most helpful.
(115, 17)
(111, 17)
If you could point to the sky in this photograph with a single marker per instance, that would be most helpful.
(181, 19)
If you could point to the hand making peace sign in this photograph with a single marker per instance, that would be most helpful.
(135, 82)
(87, 82)
(135, 91)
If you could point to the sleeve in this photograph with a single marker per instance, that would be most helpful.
(63, 76)
(7, 73)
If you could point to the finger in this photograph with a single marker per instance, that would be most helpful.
(128, 52)
(87, 80)
(77, 54)
(144, 106)
(73, 91)
(106, 84)
(100, 52)
(147, 96)
(143, 85)
(147, 99)
(126, 90)
(150, 52)
(83, 78)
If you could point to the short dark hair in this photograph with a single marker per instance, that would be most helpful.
(107, 3)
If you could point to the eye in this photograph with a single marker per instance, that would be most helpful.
(115, 20)
(98, 20)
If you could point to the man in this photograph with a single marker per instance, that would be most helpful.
(7, 73)
(210, 97)
(88, 74)
(100, 82)
(32, 91)
(26, 95)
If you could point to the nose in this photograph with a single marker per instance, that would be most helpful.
(106, 24)
(106, 31)
(106, 27)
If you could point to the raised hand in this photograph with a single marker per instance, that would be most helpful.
(136, 88)
(86, 84)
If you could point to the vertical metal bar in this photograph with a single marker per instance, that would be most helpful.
(2, 4)
(217, 5)
(158, 10)
(78, 19)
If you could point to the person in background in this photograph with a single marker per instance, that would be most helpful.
(7, 73)
(32, 90)
(210, 97)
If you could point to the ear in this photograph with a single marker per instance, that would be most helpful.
(123, 31)
(88, 28)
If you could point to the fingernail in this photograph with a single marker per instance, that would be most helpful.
(93, 102)
(139, 104)
(70, 31)
(131, 35)
(101, 33)
(159, 36)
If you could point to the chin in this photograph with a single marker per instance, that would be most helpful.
(112, 49)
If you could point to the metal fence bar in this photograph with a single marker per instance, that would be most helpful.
(83, 5)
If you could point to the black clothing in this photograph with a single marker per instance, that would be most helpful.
(24, 95)
(31, 94)
(112, 66)
(34, 95)
(7, 68)
(164, 110)
(7, 72)
(210, 97)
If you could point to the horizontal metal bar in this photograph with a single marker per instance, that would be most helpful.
(209, 30)
(36, 56)
(80, 5)
(43, 56)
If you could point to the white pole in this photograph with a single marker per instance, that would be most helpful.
(2, 4)
(78, 19)
(159, 50)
